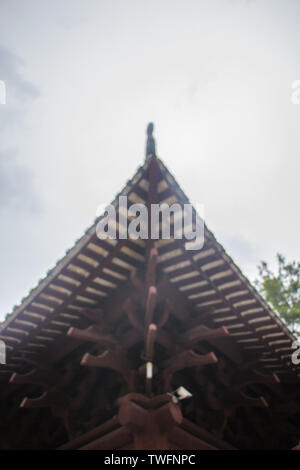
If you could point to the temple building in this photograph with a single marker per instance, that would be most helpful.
(145, 344)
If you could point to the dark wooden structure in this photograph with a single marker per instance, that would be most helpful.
(97, 349)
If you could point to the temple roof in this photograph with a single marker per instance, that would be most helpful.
(135, 301)
(93, 271)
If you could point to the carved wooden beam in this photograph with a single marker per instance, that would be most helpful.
(114, 360)
(150, 304)
(109, 359)
(34, 377)
(39, 402)
(184, 440)
(165, 339)
(135, 322)
(235, 310)
(101, 430)
(111, 441)
(201, 333)
(151, 268)
(233, 399)
(133, 415)
(94, 335)
(227, 346)
(149, 352)
(134, 336)
(146, 402)
(149, 420)
(163, 288)
(185, 360)
(53, 399)
(150, 340)
(130, 339)
(165, 315)
(189, 359)
(168, 416)
(137, 282)
(247, 377)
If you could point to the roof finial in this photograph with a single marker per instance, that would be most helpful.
(150, 147)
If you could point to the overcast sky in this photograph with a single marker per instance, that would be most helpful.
(84, 77)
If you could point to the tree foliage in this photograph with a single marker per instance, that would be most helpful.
(282, 290)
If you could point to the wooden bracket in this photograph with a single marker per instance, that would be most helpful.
(134, 321)
(149, 420)
(151, 269)
(165, 315)
(150, 304)
(94, 335)
(113, 360)
(201, 333)
(247, 377)
(185, 360)
(150, 340)
(35, 377)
